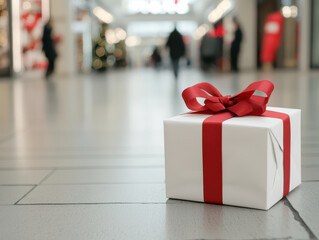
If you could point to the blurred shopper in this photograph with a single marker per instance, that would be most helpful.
(156, 58)
(211, 49)
(176, 49)
(235, 46)
(48, 47)
(208, 51)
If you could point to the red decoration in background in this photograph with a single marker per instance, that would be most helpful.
(30, 20)
(217, 32)
(32, 24)
(57, 39)
(187, 39)
(272, 37)
(32, 45)
(40, 65)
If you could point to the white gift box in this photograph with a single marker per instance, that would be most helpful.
(252, 158)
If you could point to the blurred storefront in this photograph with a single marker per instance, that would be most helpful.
(33, 16)
(278, 33)
(21, 33)
(4, 39)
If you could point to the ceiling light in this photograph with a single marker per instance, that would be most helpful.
(103, 15)
(133, 41)
(222, 8)
(120, 33)
(294, 11)
(286, 11)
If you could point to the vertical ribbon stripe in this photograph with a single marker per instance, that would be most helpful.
(286, 125)
(212, 157)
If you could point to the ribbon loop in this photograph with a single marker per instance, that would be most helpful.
(243, 103)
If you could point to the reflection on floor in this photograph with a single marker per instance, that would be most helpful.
(82, 158)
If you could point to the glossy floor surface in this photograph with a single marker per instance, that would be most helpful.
(82, 158)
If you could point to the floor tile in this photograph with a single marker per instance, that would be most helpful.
(22, 177)
(76, 140)
(121, 175)
(310, 173)
(16, 152)
(148, 221)
(11, 194)
(100, 193)
(104, 134)
(305, 201)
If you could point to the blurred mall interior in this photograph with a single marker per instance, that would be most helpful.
(86, 84)
(134, 28)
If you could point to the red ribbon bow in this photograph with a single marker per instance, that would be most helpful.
(241, 104)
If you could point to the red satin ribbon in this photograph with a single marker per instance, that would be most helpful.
(241, 104)
(224, 108)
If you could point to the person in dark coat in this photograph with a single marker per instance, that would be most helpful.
(48, 47)
(156, 57)
(176, 49)
(235, 46)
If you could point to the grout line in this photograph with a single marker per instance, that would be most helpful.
(84, 167)
(310, 180)
(25, 195)
(81, 156)
(47, 176)
(282, 238)
(99, 203)
(16, 185)
(299, 219)
(310, 165)
(25, 168)
(103, 183)
(308, 155)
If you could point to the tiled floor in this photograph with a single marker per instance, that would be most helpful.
(82, 158)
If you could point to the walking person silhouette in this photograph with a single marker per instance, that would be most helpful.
(176, 49)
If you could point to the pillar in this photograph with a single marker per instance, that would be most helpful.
(62, 15)
(246, 13)
(304, 8)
